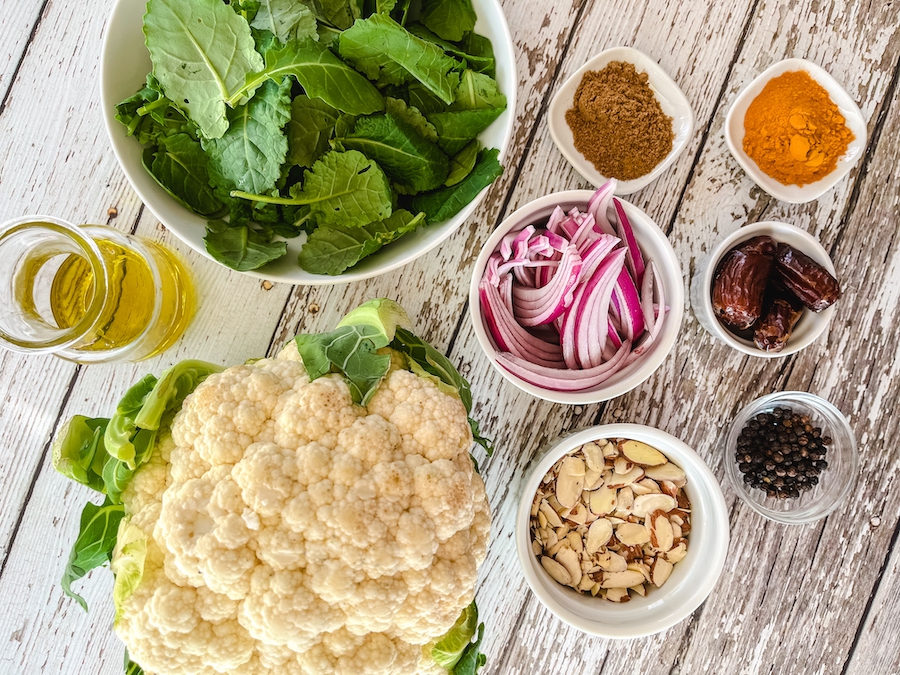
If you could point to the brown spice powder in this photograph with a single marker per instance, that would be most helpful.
(617, 122)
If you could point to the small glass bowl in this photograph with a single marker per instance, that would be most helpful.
(835, 482)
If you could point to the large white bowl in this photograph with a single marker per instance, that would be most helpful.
(654, 246)
(124, 65)
(692, 579)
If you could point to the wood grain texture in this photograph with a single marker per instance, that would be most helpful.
(814, 599)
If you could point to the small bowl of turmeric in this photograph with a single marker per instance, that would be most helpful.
(795, 131)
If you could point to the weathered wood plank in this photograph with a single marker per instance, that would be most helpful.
(16, 26)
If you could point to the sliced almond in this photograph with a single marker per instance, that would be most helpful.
(660, 572)
(595, 589)
(622, 579)
(641, 453)
(592, 477)
(639, 589)
(598, 535)
(632, 534)
(557, 547)
(557, 571)
(608, 449)
(640, 489)
(578, 514)
(669, 488)
(593, 456)
(618, 595)
(667, 472)
(639, 566)
(571, 562)
(624, 500)
(542, 519)
(676, 531)
(534, 508)
(644, 505)
(554, 503)
(536, 547)
(622, 465)
(661, 536)
(576, 542)
(675, 518)
(586, 583)
(570, 482)
(551, 539)
(677, 554)
(603, 501)
(562, 531)
(611, 562)
(651, 484)
(549, 514)
(619, 480)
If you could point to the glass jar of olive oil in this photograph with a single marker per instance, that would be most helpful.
(90, 293)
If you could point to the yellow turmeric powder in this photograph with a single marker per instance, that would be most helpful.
(794, 131)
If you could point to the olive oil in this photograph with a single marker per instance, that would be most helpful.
(91, 293)
(131, 297)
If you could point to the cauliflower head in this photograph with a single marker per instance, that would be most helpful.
(290, 530)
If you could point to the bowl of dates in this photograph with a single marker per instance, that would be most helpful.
(791, 456)
(767, 290)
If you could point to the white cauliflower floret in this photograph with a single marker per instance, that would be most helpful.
(292, 531)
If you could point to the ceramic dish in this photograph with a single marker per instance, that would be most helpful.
(835, 482)
(654, 246)
(125, 63)
(810, 325)
(671, 98)
(734, 132)
(691, 581)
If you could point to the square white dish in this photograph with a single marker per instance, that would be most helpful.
(734, 132)
(672, 100)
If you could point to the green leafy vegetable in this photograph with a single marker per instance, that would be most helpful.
(331, 250)
(438, 365)
(201, 51)
(447, 202)
(181, 168)
(342, 188)
(131, 668)
(449, 649)
(124, 440)
(475, 53)
(389, 54)
(385, 6)
(403, 153)
(127, 563)
(249, 155)
(339, 13)
(462, 163)
(401, 110)
(286, 19)
(351, 350)
(309, 129)
(383, 314)
(322, 74)
(79, 453)
(116, 476)
(94, 545)
(241, 248)
(450, 19)
(477, 91)
(456, 128)
(472, 659)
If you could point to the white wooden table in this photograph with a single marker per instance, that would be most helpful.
(817, 599)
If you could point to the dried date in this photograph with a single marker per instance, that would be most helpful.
(740, 282)
(813, 285)
(777, 324)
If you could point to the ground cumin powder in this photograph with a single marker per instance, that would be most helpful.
(794, 131)
(617, 122)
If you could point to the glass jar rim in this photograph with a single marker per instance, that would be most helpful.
(89, 250)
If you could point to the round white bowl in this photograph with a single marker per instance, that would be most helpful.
(653, 244)
(672, 100)
(692, 579)
(810, 325)
(734, 132)
(124, 64)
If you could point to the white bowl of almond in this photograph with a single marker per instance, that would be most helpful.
(622, 530)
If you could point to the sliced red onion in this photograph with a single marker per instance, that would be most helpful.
(599, 205)
(591, 308)
(536, 306)
(555, 219)
(563, 380)
(634, 259)
(629, 308)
